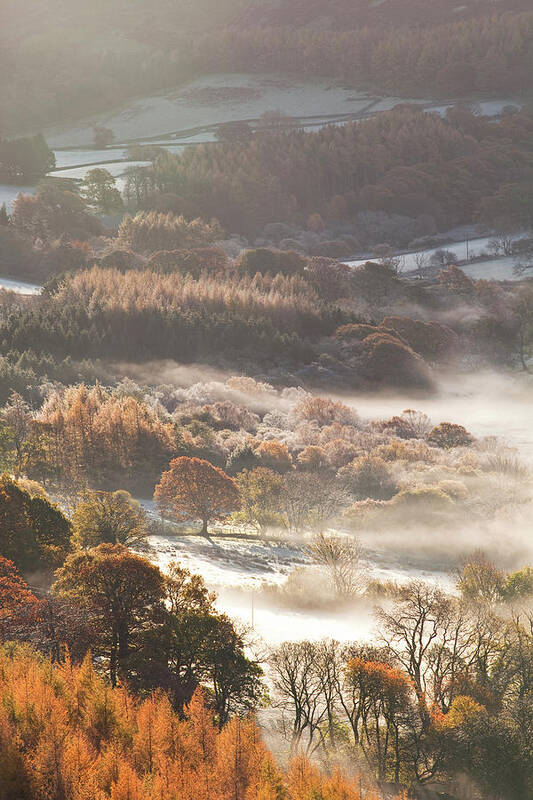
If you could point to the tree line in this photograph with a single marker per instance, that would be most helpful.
(490, 55)
(487, 54)
(444, 691)
(71, 736)
(405, 162)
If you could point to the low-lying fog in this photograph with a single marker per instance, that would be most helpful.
(486, 403)
(246, 571)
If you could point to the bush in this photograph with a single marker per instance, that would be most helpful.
(387, 360)
(430, 339)
(121, 259)
(369, 477)
(264, 260)
(449, 435)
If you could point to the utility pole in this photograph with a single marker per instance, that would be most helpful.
(252, 606)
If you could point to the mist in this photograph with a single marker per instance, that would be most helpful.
(268, 582)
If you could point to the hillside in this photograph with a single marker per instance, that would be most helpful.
(63, 61)
(353, 14)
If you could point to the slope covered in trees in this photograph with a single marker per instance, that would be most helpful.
(404, 162)
(75, 63)
(65, 733)
(353, 14)
(490, 55)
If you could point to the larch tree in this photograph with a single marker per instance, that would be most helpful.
(192, 489)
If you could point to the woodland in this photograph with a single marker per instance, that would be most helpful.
(203, 403)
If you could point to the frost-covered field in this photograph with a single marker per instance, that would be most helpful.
(214, 99)
(77, 156)
(499, 269)
(19, 286)
(190, 115)
(238, 570)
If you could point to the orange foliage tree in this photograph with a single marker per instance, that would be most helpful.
(377, 708)
(120, 591)
(16, 597)
(194, 489)
(275, 455)
(68, 735)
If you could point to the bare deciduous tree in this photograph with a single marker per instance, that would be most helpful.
(298, 691)
(341, 556)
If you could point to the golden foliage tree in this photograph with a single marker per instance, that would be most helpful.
(66, 735)
(194, 489)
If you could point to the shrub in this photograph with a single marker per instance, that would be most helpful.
(264, 260)
(430, 339)
(324, 411)
(387, 360)
(275, 455)
(369, 477)
(401, 450)
(449, 435)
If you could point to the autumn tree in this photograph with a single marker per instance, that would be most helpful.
(260, 490)
(196, 646)
(376, 700)
(194, 489)
(100, 191)
(152, 231)
(120, 591)
(109, 517)
(369, 476)
(324, 411)
(275, 455)
(518, 585)
(480, 580)
(34, 533)
(100, 437)
(17, 417)
(16, 597)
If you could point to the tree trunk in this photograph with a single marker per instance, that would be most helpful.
(123, 643)
(204, 526)
(113, 659)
